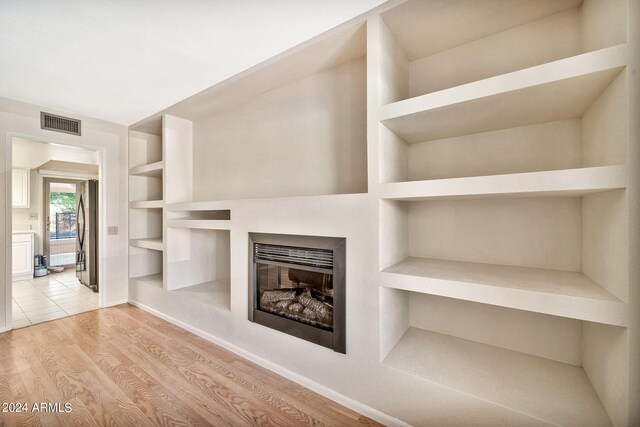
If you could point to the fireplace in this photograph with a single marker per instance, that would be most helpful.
(297, 286)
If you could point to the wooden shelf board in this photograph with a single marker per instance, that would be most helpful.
(215, 293)
(155, 244)
(147, 204)
(151, 280)
(559, 293)
(548, 390)
(153, 170)
(558, 90)
(567, 182)
(207, 224)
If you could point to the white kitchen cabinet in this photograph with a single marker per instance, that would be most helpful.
(22, 259)
(20, 188)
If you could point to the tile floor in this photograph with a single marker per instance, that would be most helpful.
(51, 297)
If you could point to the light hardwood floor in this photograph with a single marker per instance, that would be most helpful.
(121, 366)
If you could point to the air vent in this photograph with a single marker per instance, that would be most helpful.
(59, 124)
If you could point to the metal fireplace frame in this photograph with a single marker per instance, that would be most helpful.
(335, 340)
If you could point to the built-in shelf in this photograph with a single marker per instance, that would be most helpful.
(146, 204)
(151, 280)
(151, 170)
(146, 182)
(200, 223)
(560, 293)
(215, 293)
(555, 91)
(551, 391)
(155, 244)
(568, 182)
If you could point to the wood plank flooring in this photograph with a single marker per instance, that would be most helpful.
(121, 366)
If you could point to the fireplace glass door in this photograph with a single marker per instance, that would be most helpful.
(295, 283)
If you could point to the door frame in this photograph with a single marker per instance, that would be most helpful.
(102, 208)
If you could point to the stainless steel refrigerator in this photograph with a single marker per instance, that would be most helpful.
(87, 234)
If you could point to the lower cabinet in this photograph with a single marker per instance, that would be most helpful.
(22, 260)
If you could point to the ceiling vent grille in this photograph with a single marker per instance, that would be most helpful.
(55, 123)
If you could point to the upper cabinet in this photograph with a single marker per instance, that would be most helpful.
(20, 188)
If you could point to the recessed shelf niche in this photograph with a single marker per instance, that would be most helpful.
(537, 364)
(296, 127)
(198, 265)
(511, 244)
(435, 45)
(582, 133)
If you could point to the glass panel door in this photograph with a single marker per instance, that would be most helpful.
(60, 236)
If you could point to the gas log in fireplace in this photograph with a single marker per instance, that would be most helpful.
(297, 286)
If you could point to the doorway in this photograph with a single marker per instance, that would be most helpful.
(58, 232)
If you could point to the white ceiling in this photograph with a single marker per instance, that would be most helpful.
(123, 60)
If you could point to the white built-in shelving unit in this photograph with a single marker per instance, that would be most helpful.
(183, 252)
(503, 212)
(477, 154)
(146, 180)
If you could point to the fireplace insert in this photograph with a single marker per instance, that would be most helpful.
(298, 286)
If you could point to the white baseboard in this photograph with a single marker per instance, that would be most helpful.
(354, 405)
(5, 330)
(112, 303)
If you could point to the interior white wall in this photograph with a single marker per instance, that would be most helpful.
(605, 361)
(551, 337)
(395, 151)
(178, 159)
(537, 232)
(394, 318)
(394, 68)
(394, 232)
(604, 23)
(549, 39)
(20, 119)
(304, 138)
(605, 241)
(604, 126)
(540, 147)
(424, 28)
